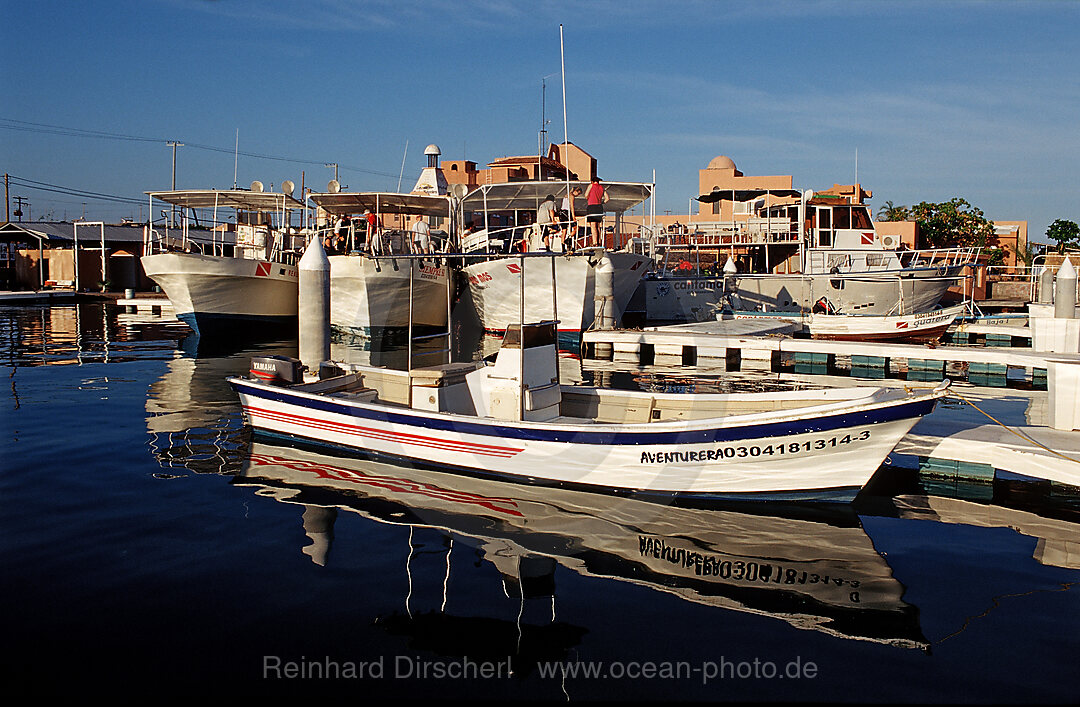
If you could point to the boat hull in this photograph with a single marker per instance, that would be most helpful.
(496, 287)
(215, 294)
(371, 295)
(829, 455)
(917, 328)
(695, 298)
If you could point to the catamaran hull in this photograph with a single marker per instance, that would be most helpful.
(496, 288)
(214, 294)
(369, 296)
(828, 457)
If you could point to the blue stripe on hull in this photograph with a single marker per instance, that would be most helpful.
(889, 413)
(213, 325)
(844, 494)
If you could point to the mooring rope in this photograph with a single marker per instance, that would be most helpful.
(1019, 434)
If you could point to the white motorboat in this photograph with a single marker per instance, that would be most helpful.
(923, 327)
(232, 275)
(514, 420)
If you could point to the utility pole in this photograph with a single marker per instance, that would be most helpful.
(334, 165)
(7, 201)
(19, 201)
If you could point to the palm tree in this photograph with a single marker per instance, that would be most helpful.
(892, 212)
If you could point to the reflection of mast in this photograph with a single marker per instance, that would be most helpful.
(319, 527)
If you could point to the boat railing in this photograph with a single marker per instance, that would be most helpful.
(719, 234)
(1050, 262)
(937, 257)
(223, 239)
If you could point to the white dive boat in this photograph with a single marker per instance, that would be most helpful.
(840, 260)
(809, 565)
(375, 285)
(514, 420)
(226, 276)
(494, 272)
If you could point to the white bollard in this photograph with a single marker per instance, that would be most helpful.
(314, 306)
(1065, 291)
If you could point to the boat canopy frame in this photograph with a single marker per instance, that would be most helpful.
(241, 200)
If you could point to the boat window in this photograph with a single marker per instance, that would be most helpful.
(539, 334)
(824, 218)
(860, 218)
(842, 217)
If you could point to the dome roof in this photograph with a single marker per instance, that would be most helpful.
(432, 149)
(722, 162)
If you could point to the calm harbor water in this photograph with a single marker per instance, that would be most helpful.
(150, 543)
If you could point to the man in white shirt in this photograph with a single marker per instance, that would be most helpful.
(421, 236)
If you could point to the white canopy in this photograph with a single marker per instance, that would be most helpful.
(512, 196)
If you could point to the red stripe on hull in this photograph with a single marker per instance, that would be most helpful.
(384, 435)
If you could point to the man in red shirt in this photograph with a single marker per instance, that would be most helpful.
(594, 211)
(374, 244)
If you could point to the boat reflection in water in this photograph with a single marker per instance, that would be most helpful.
(811, 566)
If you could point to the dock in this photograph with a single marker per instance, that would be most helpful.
(36, 296)
(153, 305)
(743, 342)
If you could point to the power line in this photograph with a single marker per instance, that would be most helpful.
(70, 191)
(46, 128)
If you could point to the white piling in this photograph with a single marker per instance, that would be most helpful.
(604, 300)
(314, 306)
(1065, 291)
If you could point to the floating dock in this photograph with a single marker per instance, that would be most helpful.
(739, 343)
(154, 305)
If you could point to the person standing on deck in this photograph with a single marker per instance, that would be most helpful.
(545, 219)
(374, 244)
(569, 217)
(421, 236)
(595, 199)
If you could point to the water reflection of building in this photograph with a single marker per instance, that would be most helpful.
(192, 417)
(816, 571)
(89, 332)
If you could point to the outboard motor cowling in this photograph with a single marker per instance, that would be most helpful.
(277, 370)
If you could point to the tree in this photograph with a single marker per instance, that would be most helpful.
(1065, 233)
(951, 223)
(892, 212)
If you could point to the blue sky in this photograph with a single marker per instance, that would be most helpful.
(978, 100)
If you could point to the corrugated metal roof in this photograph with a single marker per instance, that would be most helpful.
(62, 232)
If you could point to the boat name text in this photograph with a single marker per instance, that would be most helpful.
(747, 451)
(712, 565)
